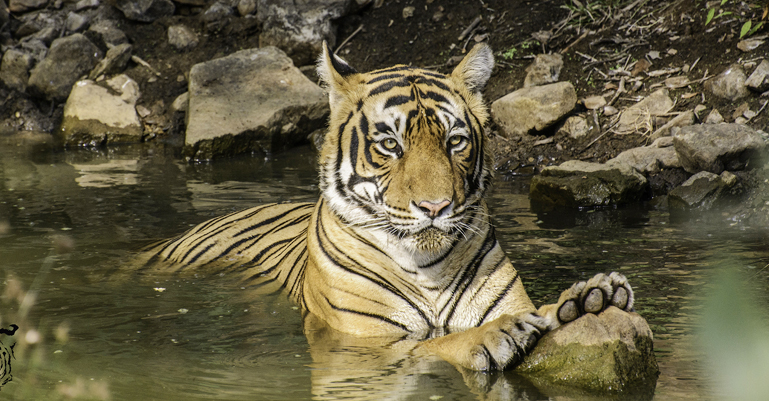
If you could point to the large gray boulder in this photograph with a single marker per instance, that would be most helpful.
(533, 108)
(254, 100)
(101, 113)
(299, 27)
(576, 184)
(701, 191)
(68, 59)
(608, 353)
(718, 147)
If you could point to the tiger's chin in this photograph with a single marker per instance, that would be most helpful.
(431, 240)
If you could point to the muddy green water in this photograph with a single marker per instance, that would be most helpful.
(68, 220)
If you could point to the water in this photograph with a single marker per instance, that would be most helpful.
(68, 220)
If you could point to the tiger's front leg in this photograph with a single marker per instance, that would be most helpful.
(591, 296)
(495, 345)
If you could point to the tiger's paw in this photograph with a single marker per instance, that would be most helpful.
(495, 345)
(506, 341)
(593, 296)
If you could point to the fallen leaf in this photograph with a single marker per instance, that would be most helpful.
(672, 52)
(677, 82)
(740, 110)
(594, 102)
(749, 44)
(689, 95)
(640, 67)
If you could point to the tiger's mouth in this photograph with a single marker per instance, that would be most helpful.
(432, 240)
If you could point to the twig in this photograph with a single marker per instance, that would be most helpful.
(591, 58)
(608, 129)
(565, 49)
(138, 60)
(347, 39)
(619, 91)
(470, 27)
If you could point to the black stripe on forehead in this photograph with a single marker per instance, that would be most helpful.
(388, 86)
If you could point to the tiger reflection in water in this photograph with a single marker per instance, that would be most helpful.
(398, 252)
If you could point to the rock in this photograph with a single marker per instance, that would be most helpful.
(114, 62)
(246, 7)
(649, 159)
(714, 117)
(535, 107)
(36, 49)
(14, 69)
(408, 12)
(608, 353)
(145, 10)
(701, 191)
(594, 102)
(5, 17)
(729, 84)
(180, 103)
(108, 32)
(85, 4)
(576, 184)
(95, 115)
(68, 59)
(181, 37)
(251, 101)
(299, 28)
(75, 22)
(20, 6)
(215, 16)
(45, 35)
(681, 120)
(718, 147)
(640, 116)
(759, 79)
(544, 70)
(575, 127)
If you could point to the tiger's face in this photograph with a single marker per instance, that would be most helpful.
(404, 154)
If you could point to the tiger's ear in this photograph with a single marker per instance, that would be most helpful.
(475, 69)
(334, 72)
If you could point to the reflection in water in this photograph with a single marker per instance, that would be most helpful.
(126, 340)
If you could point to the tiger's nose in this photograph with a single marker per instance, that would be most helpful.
(433, 210)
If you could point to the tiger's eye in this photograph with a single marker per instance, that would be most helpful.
(390, 143)
(456, 140)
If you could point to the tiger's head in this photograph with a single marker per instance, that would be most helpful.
(405, 150)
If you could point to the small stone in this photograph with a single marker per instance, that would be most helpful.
(741, 120)
(246, 7)
(108, 31)
(701, 191)
(68, 59)
(143, 111)
(114, 62)
(83, 4)
(14, 69)
(749, 44)
(408, 12)
(749, 114)
(575, 127)
(75, 22)
(699, 109)
(759, 79)
(609, 110)
(20, 6)
(544, 70)
(740, 110)
(639, 117)
(728, 178)
(145, 10)
(216, 14)
(653, 55)
(182, 37)
(714, 117)
(729, 84)
(594, 102)
(180, 103)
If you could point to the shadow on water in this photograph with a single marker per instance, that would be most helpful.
(83, 213)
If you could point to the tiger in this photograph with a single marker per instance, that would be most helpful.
(400, 242)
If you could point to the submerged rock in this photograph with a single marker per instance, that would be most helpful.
(533, 108)
(718, 147)
(576, 184)
(69, 58)
(701, 191)
(96, 115)
(251, 101)
(611, 352)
